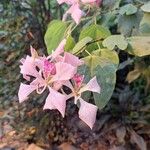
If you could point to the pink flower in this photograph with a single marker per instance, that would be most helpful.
(46, 74)
(87, 111)
(52, 72)
(74, 10)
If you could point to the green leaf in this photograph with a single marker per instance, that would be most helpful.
(85, 70)
(108, 19)
(92, 61)
(81, 44)
(146, 7)
(128, 9)
(128, 24)
(105, 71)
(111, 4)
(109, 56)
(115, 40)
(103, 57)
(145, 24)
(69, 44)
(106, 77)
(139, 45)
(54, 34)
(95, 32)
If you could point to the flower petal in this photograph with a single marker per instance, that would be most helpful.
(26, 77)
(60, 49)
(57, 85)
(72, 59)
(68, 84)
(92, 85)
(75, 13)
(24, 91)
(64, 71)
(87, 112)
(29, 68)
(56, 100)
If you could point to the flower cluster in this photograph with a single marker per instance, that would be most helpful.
(74, 10)
(52, 72)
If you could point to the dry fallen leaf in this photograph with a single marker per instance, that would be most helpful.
(67, 146)
(135, 138)
(121, 133)
(34, 147)
(1, 113)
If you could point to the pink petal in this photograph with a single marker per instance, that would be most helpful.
(56, 100)
(38, 82)
(68, 84)
(29, 68)
(59, 58)
(24, 91)
(57, 85)
(64, 71)
(26, 77)
(60, 49)
(92, 85)
(87, 113)
(72, 59)
(75, 13)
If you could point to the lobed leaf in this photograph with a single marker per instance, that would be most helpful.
(115, 40)
(95, 32)
(128, 9)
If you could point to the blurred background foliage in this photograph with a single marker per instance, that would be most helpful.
(24, 23)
